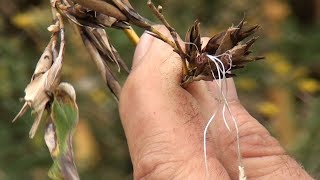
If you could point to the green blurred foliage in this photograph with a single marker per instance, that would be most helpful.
(282, 91)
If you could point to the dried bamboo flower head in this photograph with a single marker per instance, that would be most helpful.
(224, 51)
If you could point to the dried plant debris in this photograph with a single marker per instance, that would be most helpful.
(45, 77)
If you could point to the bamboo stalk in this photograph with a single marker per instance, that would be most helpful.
(132, 35)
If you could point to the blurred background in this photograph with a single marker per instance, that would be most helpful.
(281, 91)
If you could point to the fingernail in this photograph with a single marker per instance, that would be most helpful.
(142, 48)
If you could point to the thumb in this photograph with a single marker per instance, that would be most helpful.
(150, 45)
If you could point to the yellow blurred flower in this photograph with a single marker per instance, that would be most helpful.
(308, 85)
(275, 10)
(267, 109)
(32, 19)
(279, 64)
(23, 21)
(299, 72)
(98, 96)
(246, 84)
(86, 147)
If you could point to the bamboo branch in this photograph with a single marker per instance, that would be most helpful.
(132, 35)
(173, 32)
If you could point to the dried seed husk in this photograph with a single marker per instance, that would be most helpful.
(193, 42)
(226, 42)
(213, 44)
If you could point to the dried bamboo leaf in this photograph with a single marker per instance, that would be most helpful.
(132, 15)
(103, 7)
(105, 71)
(91, 23)
(85, 17)
(64, 115)
(127, 3)
(44, 79)
(99, 37)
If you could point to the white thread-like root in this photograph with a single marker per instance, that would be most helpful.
(221, 70)
(205, 140)
(242, 175)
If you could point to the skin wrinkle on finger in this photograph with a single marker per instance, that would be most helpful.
(280, 167)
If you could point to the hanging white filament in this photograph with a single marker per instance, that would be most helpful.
(205, 140)
(218, 69)
(191, 43)
(226, 103)
(221, 70)
(242, 175)
(220, 86)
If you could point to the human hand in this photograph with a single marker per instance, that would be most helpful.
(164, 125)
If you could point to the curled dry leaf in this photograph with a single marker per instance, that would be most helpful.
(100, 40)
(44, 79)
(101, 63)
(119, 9)
(59, 130)
(86, 17)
